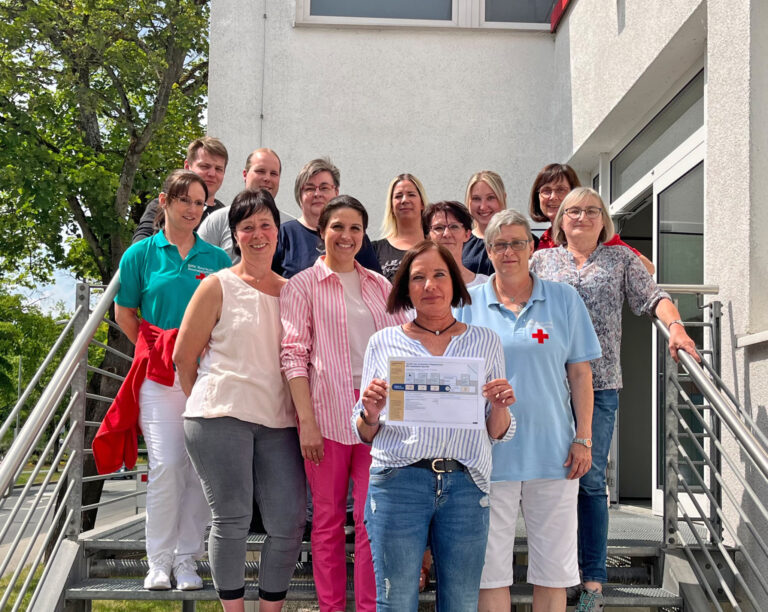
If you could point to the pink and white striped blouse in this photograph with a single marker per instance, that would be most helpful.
(316, 343)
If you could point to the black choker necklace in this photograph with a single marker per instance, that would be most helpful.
(437, 332)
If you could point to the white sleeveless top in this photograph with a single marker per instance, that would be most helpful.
(239, 374)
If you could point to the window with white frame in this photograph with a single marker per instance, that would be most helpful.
(507, 14)
(390, 9)
(674, 123)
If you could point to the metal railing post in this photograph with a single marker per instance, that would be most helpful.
(716, 313)
(77, 418)
(671, 537)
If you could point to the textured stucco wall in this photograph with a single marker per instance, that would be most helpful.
(441, 104)
(444, 104)
(612, 78)
(737, 179)
(613, 70)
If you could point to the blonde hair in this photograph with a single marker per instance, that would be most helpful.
(490, 178)
(577, 195)
(389, 224)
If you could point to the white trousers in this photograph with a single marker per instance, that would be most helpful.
(177, 511)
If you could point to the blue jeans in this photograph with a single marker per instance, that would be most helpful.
(593, 501)
(407, 505)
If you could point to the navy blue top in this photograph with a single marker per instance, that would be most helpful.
(475, 257)
(298, 247)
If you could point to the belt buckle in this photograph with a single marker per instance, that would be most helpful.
(434, 467)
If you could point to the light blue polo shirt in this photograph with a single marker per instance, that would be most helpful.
(155, 279)
(552, 330)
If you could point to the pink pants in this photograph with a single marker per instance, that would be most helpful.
(329, 483)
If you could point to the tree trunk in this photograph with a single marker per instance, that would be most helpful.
(95, 411)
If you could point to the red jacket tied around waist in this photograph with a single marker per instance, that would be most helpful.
(116, 443)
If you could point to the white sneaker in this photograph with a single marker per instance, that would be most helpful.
(158, 579)
(186, 576)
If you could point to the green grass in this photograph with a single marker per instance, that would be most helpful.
(17, 586)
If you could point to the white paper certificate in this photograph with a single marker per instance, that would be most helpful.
(436, 392)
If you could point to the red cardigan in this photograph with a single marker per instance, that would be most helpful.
(546, 242)
(116, 443)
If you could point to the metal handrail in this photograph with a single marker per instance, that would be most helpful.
(47, 403)
(693, 440)
(726, 412)
(36, 378)
(690, 289)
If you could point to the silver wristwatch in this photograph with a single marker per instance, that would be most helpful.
(583, 441)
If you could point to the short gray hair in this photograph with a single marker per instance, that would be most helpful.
(502, 218)
(321, 164)
(579, 194)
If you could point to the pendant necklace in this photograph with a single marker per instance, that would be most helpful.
(513, 298)
(437, 332)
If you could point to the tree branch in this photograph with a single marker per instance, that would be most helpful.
(126, 104)
(17, 125)
(194, 78)
(90, 237)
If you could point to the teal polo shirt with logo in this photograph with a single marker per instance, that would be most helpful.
(553, 329)
(154, 278)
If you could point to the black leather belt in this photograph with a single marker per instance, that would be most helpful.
(441, 466)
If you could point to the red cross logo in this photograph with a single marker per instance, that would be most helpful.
(540, 335)
(200, 276)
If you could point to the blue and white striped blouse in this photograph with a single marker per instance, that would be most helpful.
(397, 446)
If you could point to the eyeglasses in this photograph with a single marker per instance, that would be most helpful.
(515, 245)
(560, 192)
(591, 212)
(451, 227)
(189, 201)
(311, 189)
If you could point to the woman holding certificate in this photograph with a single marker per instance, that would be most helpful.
(328, 312)
(548, 342)
(430, 481)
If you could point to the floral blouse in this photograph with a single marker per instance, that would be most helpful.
(606, 278)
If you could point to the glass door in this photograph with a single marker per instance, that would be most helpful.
(678, 198)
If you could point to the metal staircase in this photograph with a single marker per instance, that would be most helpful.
(698, 557)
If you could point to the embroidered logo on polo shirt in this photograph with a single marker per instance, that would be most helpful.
(540, 335)
(200, 272)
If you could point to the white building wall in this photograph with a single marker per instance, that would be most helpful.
(618, 71)
(441, 104)
(617, 78)
(736, 213)
(445, 103)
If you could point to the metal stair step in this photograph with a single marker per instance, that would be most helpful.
(303, 590)
(114, 568)
(630, 534)
(619, 596)
(131, 589)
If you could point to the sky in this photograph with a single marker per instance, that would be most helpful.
(48, 296)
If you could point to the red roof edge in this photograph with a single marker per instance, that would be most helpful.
(557, 13)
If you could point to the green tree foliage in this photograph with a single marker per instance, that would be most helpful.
(98, 99)
(26, 333)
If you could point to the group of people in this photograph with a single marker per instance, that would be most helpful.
(253, 378)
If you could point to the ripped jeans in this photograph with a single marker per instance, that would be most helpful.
(404, 507)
